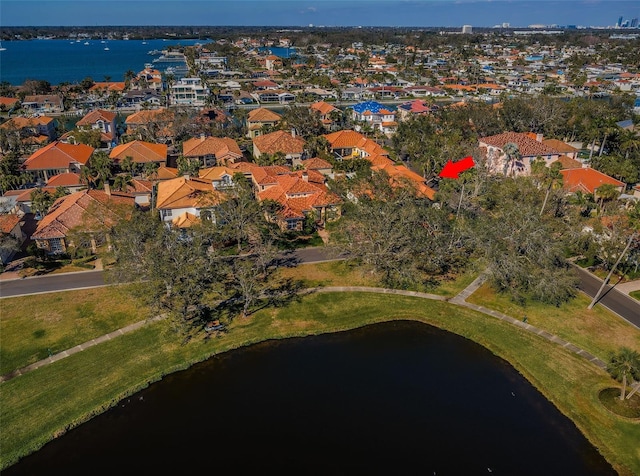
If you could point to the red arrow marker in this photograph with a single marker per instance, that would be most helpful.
(453, 169)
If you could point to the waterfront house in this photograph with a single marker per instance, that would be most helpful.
(140, 152)
(183, 199)
(189, 92)
(376, 115)
(259, 118)
(57, 157)
(91, 211)
(212, 150)
(103, 121)
(43, 104)
(283, 142)
(148, 78)
(329, 114)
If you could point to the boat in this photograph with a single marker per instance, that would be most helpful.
(106, 48)
(2, 48)
(86, 42)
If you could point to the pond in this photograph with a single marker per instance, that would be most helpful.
(388, 398)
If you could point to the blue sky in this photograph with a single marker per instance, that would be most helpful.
(417, 13)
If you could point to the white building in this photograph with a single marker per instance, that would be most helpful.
(189, 92)
(467, 29)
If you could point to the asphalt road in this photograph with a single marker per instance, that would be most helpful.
(620, 303)
(626, 307)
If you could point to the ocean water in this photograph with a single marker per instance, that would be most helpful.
(58, 61)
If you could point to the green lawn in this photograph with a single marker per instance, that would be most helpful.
(39, 405)
(635, 295)
(32, 326)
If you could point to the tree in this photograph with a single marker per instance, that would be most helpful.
(548, 177)
(624, 366)
(512, 155)
(98, 171)
(41, 201)
(306, 121)
(606, 192)
(188, 166)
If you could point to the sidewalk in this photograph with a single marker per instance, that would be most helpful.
(12, 271)
(628, 287)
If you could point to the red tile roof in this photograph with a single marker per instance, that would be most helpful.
(279, 141)
(95, 116)
(64, 180)
(58, 155)
(140, 152)
(8, 223)
(586, 180)
(527, 146)
(223, 148)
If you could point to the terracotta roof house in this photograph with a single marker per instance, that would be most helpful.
(259, 118)
(141, 190)
(151, 125)
(587, 180)
(568, 163)
(348, 144)
(8, 103)
(529, 149)
(141, 152)
(105, 122)
(43, 103)
(288, 143)
(148, 78)
(90, 210)
(219, 177)
(327, 113)
(41, 128)
(11, 225)
(300, 197)
(108, 86)
(181, 195)
(212, 150)
(562, 147)
(319, 165)
(400, 175)
(57, 158)
(69, 180)
(166, 173)
(413, 108)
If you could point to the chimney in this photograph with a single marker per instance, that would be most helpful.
(186, 177)
(107, 188)
(539, 137)
(293, 132)
(201, 137)
(305, 176)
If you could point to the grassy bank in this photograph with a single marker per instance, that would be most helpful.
(42, 404)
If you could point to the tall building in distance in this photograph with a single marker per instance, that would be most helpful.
(468, 29)
(619, 24)
(634, 23)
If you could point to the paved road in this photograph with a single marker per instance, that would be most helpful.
(620, 303)
(626, 307)
(91, 279)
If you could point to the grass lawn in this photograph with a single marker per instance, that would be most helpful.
(346, 273)
(597, 331)
(42, 404)
(32, 326)
(635, 295)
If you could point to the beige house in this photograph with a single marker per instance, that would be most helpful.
(259, 118)
(283, 142)
(212, 150)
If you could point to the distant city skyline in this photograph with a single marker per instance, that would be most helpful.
(413, 13)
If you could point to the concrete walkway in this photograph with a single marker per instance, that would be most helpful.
(458, 300)
(629, 286)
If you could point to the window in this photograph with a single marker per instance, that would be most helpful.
(292, 225)
(56, 245)
(166, 213)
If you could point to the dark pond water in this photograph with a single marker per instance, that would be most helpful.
(392, 398)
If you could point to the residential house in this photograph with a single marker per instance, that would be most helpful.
(272, 62)
(299, 198)
(348, 144)
(183, 199)
(400, 175)
(376, 115)
(151, 125)
(140, 152)
(259, 118)
(16, 201)
(68, 180)
(141, 191)
(141, 98)
(103, 121)
(562, 147)
(92, 211)
(58, 157)
(31, 130)
(212, 150)
(7, 104)
(189, 92)
(413, 108)
(148, 78)
(529, 148)
(587, 180)
(221, 177)
(10, 225)
(283, 142)
(318, 165)
(43, 104)
(279, 96)
(329, 114)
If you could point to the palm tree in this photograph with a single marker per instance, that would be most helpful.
(624, 366)
(607, 192)
(512, 153)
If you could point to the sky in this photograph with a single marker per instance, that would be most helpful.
(416, 13)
